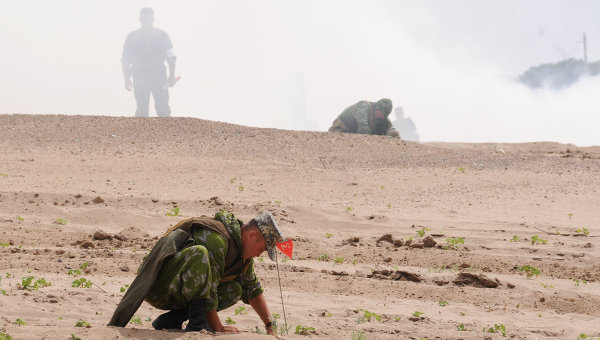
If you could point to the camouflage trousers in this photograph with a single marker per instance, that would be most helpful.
(187, 276)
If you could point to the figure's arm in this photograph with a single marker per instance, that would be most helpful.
(171, 57)
(362, 118)
(259, 304)
(126, 63)
(171, 63)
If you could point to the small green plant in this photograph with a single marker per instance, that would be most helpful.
(453, 242)
(417, 314)
(389, 206)
(461, 327)
(136, 320)
(229, 321)
(546, 286)
(20, 322)
(232, 180)
(260, 259)
(75, 337)
(3, 292)
(461, 170)
(277, 202)
(339, 260)
(359, 335)
(348, 208)
(537, 240)
(8, 275)
(328, 235)
(583, 231)
(529, 270)
(323, 257)
(398, 318)
(583, 336)
(4, 244)
(124, 288)
(515, 238)
(570, 215)
(81, 323)
(367, 316)
(577, 281)
(82, 283)
(84, 265)
(498, 328)
(539, 315)
(354, 262)
(74, 272)
(304, 330)
(328, 314)
(19, 218)
(4, 335)
(241, 310)
(422, 231)
(173, 212)
(240, 188)
(60, 221)
(443, 303)
(28, 284)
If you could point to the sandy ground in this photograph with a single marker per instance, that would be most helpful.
(62, 178)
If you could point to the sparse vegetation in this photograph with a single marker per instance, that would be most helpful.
(304, 330)
(61, 221)
(515, 238)
(4, 335)
(348, 208)
(328, 235)
(529, 270)
(422, 231)
(417, 314)
(359, 335)
(583, 231)
(230, 321)
(339, 260)
(241, 310)
(240, 188)
(546, 286)
(323, 257)
(82, 283)
(173, 212)
(124, 288)
(498, 328)
(367, 316)
(74, 272)
(462, 170)
(19, 218)
(81, 323)
(20, 322)
(28, 284)
(577, 281)
(537, 240)
(277, 202)
(453, 242)
(75, 337)
(136, 320)
(4, 244)
(443, 303)
(461, 327)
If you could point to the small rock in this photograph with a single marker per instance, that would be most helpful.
(429, 242)
(124, 268)
(101, 235)
(387, 260)
(88, 244)
(78, 196)
(60, 252)
(398, 243)
(98, 200)
(386, 238)
(53, 301)
(417, 245)
(510, 285)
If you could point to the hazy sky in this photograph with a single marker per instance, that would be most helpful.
(297, 64)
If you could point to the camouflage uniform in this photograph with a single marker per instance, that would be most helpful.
(360, 118)
(196, 273)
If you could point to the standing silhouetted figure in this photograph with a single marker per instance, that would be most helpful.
(144, 55)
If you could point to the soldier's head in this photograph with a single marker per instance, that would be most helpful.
(261, 234)
(146, 17)
(384, 106)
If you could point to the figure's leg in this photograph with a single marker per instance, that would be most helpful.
(171, 320)
(161, 101)
(229, 294)
(141, 91)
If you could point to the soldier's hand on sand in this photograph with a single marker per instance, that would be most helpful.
(230, 329)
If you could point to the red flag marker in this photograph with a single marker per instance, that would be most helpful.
(286, 247)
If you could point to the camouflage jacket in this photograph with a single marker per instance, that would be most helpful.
(359, 118)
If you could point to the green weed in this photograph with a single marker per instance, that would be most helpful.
(323, 257)
(339, 260)
(570, 215)
(4, 335)
(328, 235)
(546, 286)
(28, 284)
(461, 170)
(461, 327)
(537, 240)
(136, 320)
(4, 244)
(583, 231)
(124, 288)
(260, 259)
(389, 206)
(498, 328)
(82, 283)
(229, 321)
(530, 270)
(232, 180)
(577, 281)
(417, 314)
(422, 231)
(61, 221)
(173, 212)
(359, 335)
(19, 218)
(20, 322)
(74, 272)
(515, 238)
(240, 188)
(367, 316)
(241, 310)
(304, 330)
(75, 337)
(348, 208)
(581, 336)
(453, 242)
(81, 323)
(443, 303)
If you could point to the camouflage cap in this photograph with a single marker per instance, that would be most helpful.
(385, 105)
(268, 228)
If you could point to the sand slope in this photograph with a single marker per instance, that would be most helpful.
(334, 194)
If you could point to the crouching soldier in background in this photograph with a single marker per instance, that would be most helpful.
(200, 266)
(369, 118)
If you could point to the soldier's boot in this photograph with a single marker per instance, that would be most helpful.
(197, 314)
(170, 320)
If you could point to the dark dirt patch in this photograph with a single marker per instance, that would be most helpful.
(480, 281)
(397, 275)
